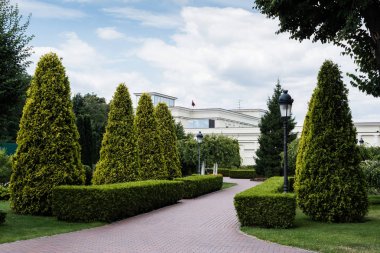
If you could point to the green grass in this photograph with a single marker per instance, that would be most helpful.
(21, 227)
(227, 185)
(328, 237)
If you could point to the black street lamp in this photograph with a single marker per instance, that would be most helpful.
(361, 141)
(285, 101)
(199, 140)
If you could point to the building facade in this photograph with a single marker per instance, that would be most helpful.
(241, 124)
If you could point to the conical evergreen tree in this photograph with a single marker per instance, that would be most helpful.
(118, 156)
(330, 185)
(271, 140)
(48, 152)
(150, 151)
(167, 131)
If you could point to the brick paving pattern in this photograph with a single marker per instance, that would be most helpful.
(205, 224)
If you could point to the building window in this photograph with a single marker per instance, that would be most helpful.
(211, 123)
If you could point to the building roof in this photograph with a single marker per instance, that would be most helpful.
(155, 94)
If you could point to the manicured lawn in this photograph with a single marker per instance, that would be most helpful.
(227, 185)
(21, 227)
(327, 237)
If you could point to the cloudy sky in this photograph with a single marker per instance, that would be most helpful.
(218, 53)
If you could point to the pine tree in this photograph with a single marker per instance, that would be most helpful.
(271, 140)
(85, 139)
(330, 185)
(167, 131)
(150, 151)
(48, 152)
(118, 157)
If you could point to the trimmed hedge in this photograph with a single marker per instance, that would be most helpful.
(195, 186)
(112, 202)
(224, 172)
(266, 206)
(242, 173)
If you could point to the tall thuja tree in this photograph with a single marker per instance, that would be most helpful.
(271, 140)
(167, 130)
(329, 183)
(48, 152)
(118, 157)
(150, 150)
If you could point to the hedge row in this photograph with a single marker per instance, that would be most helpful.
(242, 173)
(112, 202)
(266, 206)
(195, 186)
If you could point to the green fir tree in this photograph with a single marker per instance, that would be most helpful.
(329, 183)
(167, 131)
(48, 152)
(118, 157)
(271, 140)
(150, 150)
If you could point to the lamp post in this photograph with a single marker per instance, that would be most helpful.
(361, 141)
(199, 140)
(285, 101)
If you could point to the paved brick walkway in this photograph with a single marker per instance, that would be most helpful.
(205, 224)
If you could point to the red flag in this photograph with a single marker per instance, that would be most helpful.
(192, 103)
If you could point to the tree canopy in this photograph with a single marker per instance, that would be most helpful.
(14, 54)
(352, 25)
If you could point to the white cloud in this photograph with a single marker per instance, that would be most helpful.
(145, 17)
(46, 10)
(109, 33)
(222, 55)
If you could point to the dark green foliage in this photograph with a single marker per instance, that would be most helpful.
(85, 139)
(2, 217)
(224, 172)
(5, 167)
(150, 150)
(220, 149)
(271, 140)
(180, 131)
(371, 170)
(198, 185)
(292, 157)
(266, 206)
(369, 153)
(242, 174)
(4, 193)
(118, 155)
(14, 54)
(113, 201)
(352, 25)
(48, 152)
(330, 186)
(167, 132)
(96, 109)
(188, 153)
(88, 173)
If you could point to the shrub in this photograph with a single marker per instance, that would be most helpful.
(224, 172)
(2, 216)
(330, 186)
(4, 193)
(292, 157)
(242, 174)
(112, 202)
(118, 154)
(150, 150)
(197, 185)
(5, 167)
(88, 173)
(167, 131)
(266, 206)
(48, 152)
(371, 171)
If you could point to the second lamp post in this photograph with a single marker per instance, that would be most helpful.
(199, 140)
(285, 102)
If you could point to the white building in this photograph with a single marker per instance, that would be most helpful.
(241, 124)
